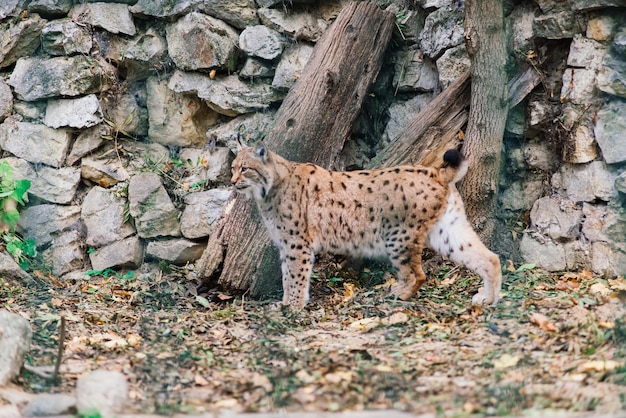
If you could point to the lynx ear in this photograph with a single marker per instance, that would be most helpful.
(240, 144)
(261, 152)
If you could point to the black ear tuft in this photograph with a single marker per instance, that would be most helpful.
(240, 144)
(453, 157)
(260, 151)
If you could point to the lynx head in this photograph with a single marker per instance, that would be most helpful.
(252, 170)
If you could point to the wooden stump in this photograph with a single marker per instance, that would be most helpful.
(311, 125)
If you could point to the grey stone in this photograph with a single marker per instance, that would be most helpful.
(542, 252)
(401, 113)
(101, 391)
(176, 251)
(103, 214)
(176, 118)
(606, 259)
(521, 195)
(579, 86)
(238, 13)
(261, 41)
(299, 25)
(65, 37)
(414, 72)
(209, 166)
(436, 4)
(144, 155)
(443, 29)
(200, 42)
(46, 404)
(127, 253)
(20, 40)
(521, 23)
(35, 143)
(291, 65)
(202, 211)
(603, 223)
(15, 338)
(41, 78)
(256, 68)
(87, 141)
(251, 127)
(151, 207)
(585, 53)
(112, 17)
(6, 100)
(9, 269)
(410, 23)
(66, 253)
(125, 115)
(50, 8)
(41, 222)
(539, 112)
(588, 5)
(452, 64)
(612, 75)
(557, 218)
(619, 42)
(83, 112)
(586, 182)
(54, 185)
(516, 123)
(539, 155)
(164, 8)
(10, 411)
(142, 56)
(620, 183)
(601, 27)
(105, 172)
(8, 7)
(609, 130)
(558, 25)
(582, 146)
(225, 95)
(30, 111)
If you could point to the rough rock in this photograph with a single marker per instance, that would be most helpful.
(20, 40)
(125, 114)
(298, 25)
(127, 253)
(141, 56)
(586, 182)
(176, 251)
(582, 146)
(291, 64)
(65, 37)
(261, 41)
(414, 72)
(409, 22)
(209, 166)
(35, 143)
(558, 25)
(443, 29)
(516, 123)
(103, 215)
(554, 256)
(226, 95)
(620, 183)
(609, 131)
(40, 78)
(202, 209)
(603, 223)
(251, 128)
(200, 42)
(539, 112)
(9, 269)
(151, 207)
(579, 86)
(66, 253)
(15, 337)
(539, 155)
(10, 411)
(6, 100)
(41, 222)
(557, 218)
(619, 41)
(176, 118)
(237, 13)
(521, 22)
(606, 259)
(49, 184)
(101, 391)
(87, 141)
(46, 404)
(400, 114)
(601, 28)
(50, 8)
(453, 63)
(585, 53)
(30, 111)
(612, 74)
(112, 17)
(164, 8)
(521, 195)
(256, 68)
(83, 112)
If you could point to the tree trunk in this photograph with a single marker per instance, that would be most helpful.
(486, 44)
(311, 125)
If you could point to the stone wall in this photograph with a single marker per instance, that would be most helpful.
(123, 115)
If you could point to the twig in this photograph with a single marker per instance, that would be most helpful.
(57, 365)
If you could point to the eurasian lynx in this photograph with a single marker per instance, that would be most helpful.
(392, 212)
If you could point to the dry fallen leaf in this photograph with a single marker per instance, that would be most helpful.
(600, 366)
(365, 324)
(349, 291)
(505, 361)
(600, 289)
(397, 318)
(542, 322)
(199, 380)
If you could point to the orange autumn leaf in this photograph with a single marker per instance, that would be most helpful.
(542, 322)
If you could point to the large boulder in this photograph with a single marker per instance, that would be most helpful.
(15, 337)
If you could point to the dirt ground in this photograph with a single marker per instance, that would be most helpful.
(554, 343)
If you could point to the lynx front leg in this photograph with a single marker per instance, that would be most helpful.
(411, 277)
(297, 264)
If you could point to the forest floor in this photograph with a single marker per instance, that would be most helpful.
(555, 342)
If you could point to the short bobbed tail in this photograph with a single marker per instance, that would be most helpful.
(457, 166)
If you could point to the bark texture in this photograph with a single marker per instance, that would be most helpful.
(486, 44)
(311, 125)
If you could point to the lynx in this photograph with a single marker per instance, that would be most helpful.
(389, 212)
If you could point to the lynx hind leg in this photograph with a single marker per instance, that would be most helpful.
(296, 265)
(454, 237)
(408, 263)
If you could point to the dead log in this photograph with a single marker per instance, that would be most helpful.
(437, 128)
(311, 125)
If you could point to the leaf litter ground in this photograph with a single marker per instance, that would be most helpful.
(555, 342)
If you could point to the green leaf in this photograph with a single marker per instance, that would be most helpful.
(21, 187)
(525, 267)
(203, 301)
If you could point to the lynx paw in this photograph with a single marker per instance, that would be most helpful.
(483, 299)
(403, 291)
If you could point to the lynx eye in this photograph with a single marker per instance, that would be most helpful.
(244, 169)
